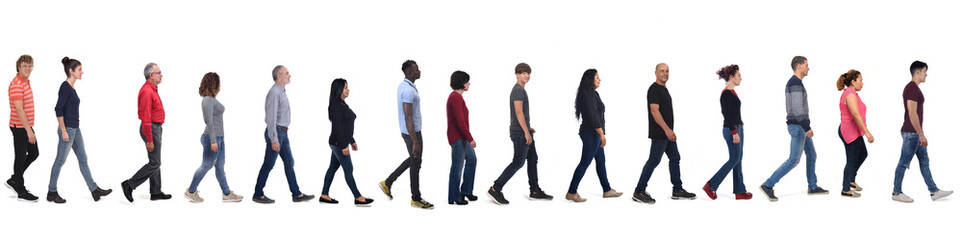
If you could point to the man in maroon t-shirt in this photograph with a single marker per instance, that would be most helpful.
(913, 139)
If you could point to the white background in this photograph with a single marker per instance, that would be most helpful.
(365, 42)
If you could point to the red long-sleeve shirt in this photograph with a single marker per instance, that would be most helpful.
(458, 127)
(149, 109)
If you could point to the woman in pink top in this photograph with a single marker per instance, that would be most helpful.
(852, 129)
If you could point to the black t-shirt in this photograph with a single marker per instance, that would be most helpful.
(658, 94)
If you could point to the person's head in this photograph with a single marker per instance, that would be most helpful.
(210, 85)
(523, 72)
(661, 73)
(25, 66)
(411, 71)
(851, 79)
(730, 74)
(800, 66)
(72, 68)
(919, 70)
(339, 92)
(460, 80)
(152, 73)
(281, 75)
(589, 82)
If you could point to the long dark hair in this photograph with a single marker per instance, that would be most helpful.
(586, 87)
(337, 88)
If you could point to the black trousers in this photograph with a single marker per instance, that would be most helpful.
(151, 170)
(24, 153)
(412, 162)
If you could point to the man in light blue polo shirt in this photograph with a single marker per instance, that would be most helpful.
(409, 119)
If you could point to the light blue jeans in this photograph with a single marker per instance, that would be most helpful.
(799, 143)
(211, 159)
(911, 146)
(76, 141)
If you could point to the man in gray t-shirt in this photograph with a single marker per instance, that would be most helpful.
(521, 136)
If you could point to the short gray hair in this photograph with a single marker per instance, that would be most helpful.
(277, 70)
(148, 70)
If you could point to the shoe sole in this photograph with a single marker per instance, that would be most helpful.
(576, 201)
(911, 201)
(494, 199)
(386, 191)
(820, 193)
(425, 208)
(362, 205)
(263, 202)
(231, 200)
(770, 198)
(640, 201)
(682, 198)
(538, 199)
(10, 187)
(851, 196)
(303, 200)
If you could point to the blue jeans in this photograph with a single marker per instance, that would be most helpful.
(734, 164)
(462, 157)
(522, 151)
(270, 156)
(338, 159)
(799, 143)
(76, 141)
(912, 146)
(590, 149)
(211, 159)
(661, 147)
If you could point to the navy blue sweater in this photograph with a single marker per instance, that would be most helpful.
(68, 106)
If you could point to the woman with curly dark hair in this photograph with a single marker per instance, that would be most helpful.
(734, 135)
(212, 140)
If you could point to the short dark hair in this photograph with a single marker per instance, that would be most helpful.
(69, 64)
(917, 65)
(24, 59)
(458, 79)
(798, 60)
(407, 64)
(522, 68)
(277, 70)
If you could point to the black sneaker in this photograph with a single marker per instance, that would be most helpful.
(643, 197)
(682, 194)
(97, 193)
(497, 196)
(470, 197)
(540, 195)
(27, 197)
(54, 197)
(12, 186)
(159, 196)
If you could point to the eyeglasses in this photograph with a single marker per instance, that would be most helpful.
(158, 73)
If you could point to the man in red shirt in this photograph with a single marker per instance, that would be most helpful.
(21, 124)
(150, 110)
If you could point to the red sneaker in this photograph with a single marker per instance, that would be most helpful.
(743, 196)
(711, 194)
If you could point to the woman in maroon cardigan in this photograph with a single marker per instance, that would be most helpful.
(462, 144)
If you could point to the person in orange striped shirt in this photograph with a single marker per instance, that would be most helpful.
(21, 124)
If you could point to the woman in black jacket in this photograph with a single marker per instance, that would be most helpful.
(591, 111)
(733, 133)
(342, 136)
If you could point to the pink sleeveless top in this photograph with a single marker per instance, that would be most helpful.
(850, 129)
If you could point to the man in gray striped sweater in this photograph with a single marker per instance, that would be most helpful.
(796, 104)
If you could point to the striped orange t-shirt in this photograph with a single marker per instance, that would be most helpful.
(20, 90)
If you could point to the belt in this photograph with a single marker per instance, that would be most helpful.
(282, 127)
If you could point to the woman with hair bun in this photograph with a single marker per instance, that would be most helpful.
(733, 133)
(68, 116)
(851, 130)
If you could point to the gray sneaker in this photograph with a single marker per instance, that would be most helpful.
(193, 197)
(901, 197)
(940, 194)
(231, 197)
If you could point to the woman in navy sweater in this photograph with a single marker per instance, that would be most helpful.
(733, 133)
(591, 111)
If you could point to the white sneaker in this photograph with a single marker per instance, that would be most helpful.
(193, 197)
(901, 197)
(231, 197)
(940, 194)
